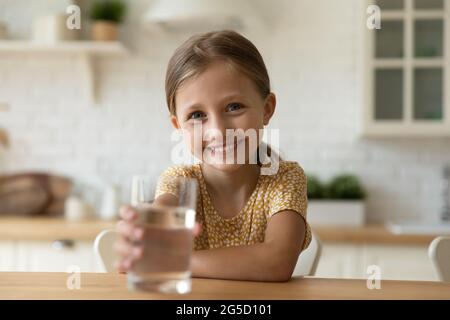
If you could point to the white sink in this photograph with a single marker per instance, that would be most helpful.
(442, 228)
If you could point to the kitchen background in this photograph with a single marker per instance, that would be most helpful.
(315, 52)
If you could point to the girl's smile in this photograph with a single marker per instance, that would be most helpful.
(222, 151)
(224, 148)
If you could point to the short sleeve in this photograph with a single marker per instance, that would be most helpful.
(289, 192)
(167, 180)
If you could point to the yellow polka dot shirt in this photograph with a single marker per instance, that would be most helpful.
(285, 190)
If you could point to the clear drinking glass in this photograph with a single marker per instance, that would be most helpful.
(167, 241)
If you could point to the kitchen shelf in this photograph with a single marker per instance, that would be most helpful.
(90, 47)
(86, 50)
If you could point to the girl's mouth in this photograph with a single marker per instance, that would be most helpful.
(224, 149)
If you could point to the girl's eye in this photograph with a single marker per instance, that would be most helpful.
(196, 115)
(234, 107)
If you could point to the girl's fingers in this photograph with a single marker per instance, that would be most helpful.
(122, 248)
(127, 213)
(118, 266)
(124, 229)
(197, 229)
(129, 230)
(126, 250)
(129, 255)
(124, 265)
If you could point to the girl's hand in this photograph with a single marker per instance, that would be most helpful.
(129, 232)
(129, 235)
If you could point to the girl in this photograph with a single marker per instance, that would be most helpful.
(252, 226)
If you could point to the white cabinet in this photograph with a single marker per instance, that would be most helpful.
(47, 256)
(396, 262)
(408, 69)
(400, 262)
(338, 261)
(7, 255)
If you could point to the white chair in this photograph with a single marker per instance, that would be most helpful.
(309, 259)
(103, 248)
(104, 252)
(439, 253)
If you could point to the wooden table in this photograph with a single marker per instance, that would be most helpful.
(28, 285)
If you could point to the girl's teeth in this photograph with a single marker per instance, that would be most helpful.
(226, 149)
(222, 149)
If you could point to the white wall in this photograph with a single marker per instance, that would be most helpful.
(313, 50)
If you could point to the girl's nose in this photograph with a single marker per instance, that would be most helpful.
(215, 128)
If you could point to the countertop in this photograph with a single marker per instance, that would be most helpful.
(370, 234)
(50, 229)
(29, 285)
(43, 229)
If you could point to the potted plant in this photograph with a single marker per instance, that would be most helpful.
(106, 16)
(340, 202)
(316, 189)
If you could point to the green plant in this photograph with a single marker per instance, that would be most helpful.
(315, 188)
(110, 10)
(345, 186)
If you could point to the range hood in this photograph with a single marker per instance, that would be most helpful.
(200, 14)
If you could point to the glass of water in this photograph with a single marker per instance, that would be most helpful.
(168, 238)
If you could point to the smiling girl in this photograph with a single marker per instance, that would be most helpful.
(253, 226)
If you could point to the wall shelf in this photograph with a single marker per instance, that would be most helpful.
(86, 50)
(91, 47)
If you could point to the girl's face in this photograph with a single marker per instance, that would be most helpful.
(218, 99)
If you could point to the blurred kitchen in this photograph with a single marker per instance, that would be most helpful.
(365, 112)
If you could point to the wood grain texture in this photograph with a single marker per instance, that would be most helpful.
(371, 234)
(25, 285)
(46, 228)
(49, 229)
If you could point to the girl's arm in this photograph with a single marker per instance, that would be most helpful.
(272, 260)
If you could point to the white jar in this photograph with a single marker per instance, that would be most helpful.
(75, 209)
(52, 28)
(110, 203)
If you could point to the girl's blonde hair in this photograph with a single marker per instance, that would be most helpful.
(194, 55)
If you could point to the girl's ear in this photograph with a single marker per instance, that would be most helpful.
(269, 107)
(174, 121)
